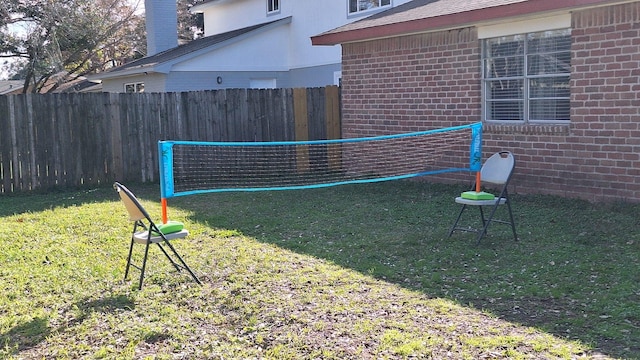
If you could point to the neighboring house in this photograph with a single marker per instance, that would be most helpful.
(80, 84)
(10, 87)
(247, 44)
(557, 82)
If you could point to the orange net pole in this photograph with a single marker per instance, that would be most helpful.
(478, 181)
(163, 202)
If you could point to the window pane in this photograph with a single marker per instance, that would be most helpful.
(140, 87)
(505, 110)
(549, 87)
(504, 46)
(505, 99)
(542, 62)
(273, 5)
(353, 6)
(504, 67)
(505, 89)
(558, 63)
(129, 88)
(549, 109)
(362, 5)
(549, 41)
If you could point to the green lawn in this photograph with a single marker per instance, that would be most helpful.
(350, 272)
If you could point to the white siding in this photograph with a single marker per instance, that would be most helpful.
(309, 17)
(283, 53)
(152, 83)
(266, 51)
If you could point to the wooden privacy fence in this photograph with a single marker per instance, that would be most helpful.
(70, 140)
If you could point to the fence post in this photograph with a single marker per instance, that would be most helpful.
(301, 121)
(332, 120)
(117, 165)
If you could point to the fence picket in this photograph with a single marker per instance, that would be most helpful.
(62, 140)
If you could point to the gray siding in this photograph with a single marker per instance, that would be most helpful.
(193, 81)
(316, 76)
(207, 80)
(162, 25)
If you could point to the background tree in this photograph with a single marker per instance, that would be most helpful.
(190, 26)
(59, 40)
(51, 42)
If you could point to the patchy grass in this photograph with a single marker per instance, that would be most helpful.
(352, 272)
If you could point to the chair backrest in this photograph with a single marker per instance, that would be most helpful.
(498, 168)
(135, 209)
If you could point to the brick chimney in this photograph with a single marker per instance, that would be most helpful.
(161, 17)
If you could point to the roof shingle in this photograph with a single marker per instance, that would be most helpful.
(189, 48)
(424, 15)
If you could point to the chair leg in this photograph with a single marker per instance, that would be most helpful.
(168, 256)
(484, 221)
(144, 265)
(126, 271)
(455, 224)
(487, 222)
(513, 224)
(183, 263)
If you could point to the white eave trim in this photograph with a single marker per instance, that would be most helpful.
(148, 68)
(198, 8)
(549, 22)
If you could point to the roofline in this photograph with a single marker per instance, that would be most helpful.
(105, 75)
(456, 20)
(165, 66)
(198, 8)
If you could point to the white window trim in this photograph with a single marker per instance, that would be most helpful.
(263, 83)
(527, 99)
(337, 78)
(554, 22)
(275, 11)
(368, 11)
(136, 85)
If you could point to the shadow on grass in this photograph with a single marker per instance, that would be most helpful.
(11, 204)
(26, 335)
(31, 333)
(573, 273)
(105, 305)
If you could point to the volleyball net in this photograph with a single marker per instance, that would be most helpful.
(196, 167)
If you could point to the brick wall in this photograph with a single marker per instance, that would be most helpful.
(411, 83)
(432, 80)
(605, 106)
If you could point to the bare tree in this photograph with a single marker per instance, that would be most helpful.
(59, 40)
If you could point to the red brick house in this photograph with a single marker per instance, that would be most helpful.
(557, 82)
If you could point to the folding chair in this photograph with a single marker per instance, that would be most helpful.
(146, 232)
(497, 171)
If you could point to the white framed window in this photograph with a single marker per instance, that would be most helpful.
(136, 87)
(358, 6)
(259, 83)
(273, 6)
(525, 77)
